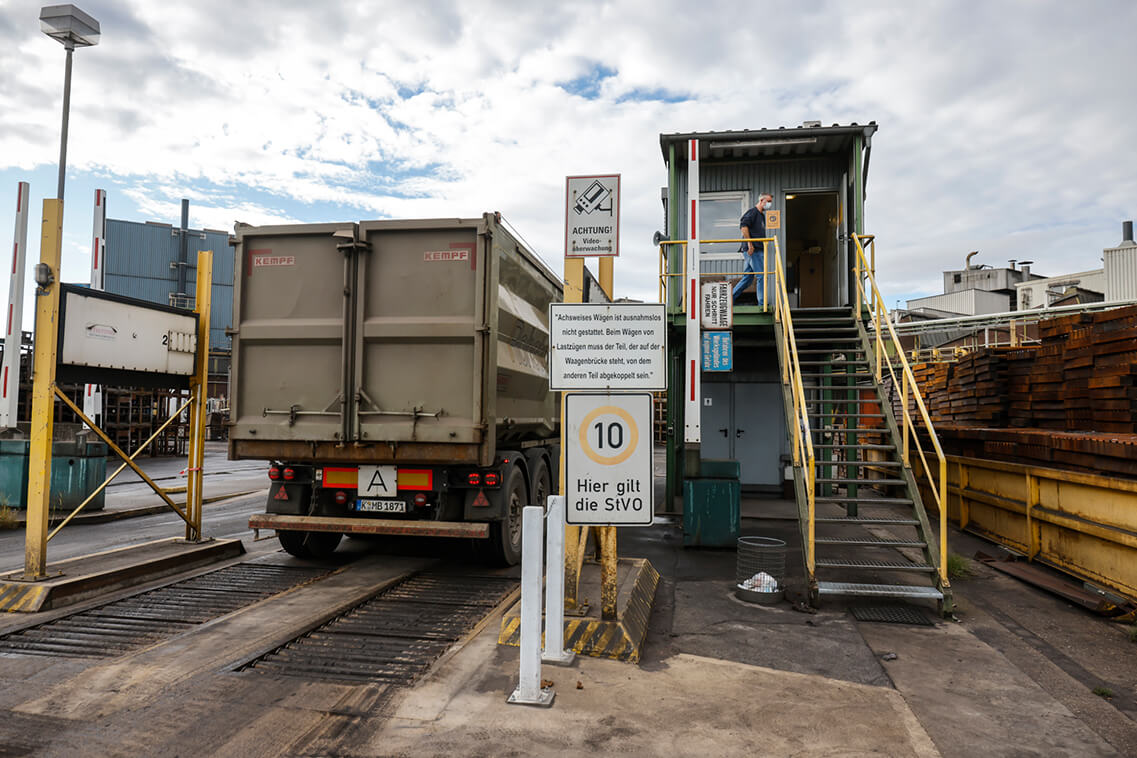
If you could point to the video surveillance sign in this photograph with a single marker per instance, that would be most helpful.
(592, 216)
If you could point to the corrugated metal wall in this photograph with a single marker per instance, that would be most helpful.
(971, 302)
(777, 177)
(1121, 273)
(139, 258)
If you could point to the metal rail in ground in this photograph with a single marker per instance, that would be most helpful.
(124, 625)
(394, 636)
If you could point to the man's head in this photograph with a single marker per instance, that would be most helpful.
(764, 200)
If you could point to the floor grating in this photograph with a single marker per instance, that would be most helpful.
(892, 614)
(394, 636)
(148, 617)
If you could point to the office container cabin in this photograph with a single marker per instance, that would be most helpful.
(817, 177)
(803, 407)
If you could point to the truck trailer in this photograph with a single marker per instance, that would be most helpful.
(394, 375)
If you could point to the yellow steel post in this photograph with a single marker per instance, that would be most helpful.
(857, 272)
(1033, 536)
(765, 276)
(575, 536)
(43, 394)
(199, 390)
(607, 534)
(904, 419)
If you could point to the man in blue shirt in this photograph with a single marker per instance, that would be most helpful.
(753, 226)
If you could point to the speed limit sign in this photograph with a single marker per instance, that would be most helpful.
(608, 459)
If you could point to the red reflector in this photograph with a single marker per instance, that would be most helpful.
(480, 501)
(491, 479)
(341, 497)
(474, 478)
(274, 473)
(281, 494)
(289, 474)
(420, 500)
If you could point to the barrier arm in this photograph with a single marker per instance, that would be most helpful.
(907, 381)
(128, 461)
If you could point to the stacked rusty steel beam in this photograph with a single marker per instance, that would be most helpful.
(1070, 402)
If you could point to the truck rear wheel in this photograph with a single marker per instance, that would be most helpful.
(308, 544)
(505, 535)
(542, 487)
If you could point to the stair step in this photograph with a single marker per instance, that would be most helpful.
(866, 446)
(879, 590)
(863, 500)
(819, 414)
(837, 563)
(865, 482)
(841, 401)
(833, 363)
(867, 520)
(843, 375)
(809, 340)
(823, 330)
(890, 464)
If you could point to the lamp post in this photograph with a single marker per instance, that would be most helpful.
(72, 28)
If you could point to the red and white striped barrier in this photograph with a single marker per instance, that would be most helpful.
(14, 323)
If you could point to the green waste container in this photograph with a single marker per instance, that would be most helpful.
(712, 505)
(77, 468)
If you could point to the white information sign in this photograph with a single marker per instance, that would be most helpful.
(607, 346)
(608, 459)
(592, 215)
(718, 307)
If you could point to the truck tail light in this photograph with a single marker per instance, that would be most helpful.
(273, 473)
(491, 479)
(420, 500)
(289, 474)
(475, 478)
(341, 497)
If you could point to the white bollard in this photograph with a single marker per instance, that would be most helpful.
(554, 651)
(529, 690)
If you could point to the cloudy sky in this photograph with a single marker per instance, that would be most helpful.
(1005, 127)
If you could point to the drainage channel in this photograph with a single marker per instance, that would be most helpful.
(394, 636)
(119, 627)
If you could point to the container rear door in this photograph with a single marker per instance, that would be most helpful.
(289, 365)
(420, 336)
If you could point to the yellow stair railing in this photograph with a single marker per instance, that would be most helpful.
(665, 276)
(803, 457)
(865, 274)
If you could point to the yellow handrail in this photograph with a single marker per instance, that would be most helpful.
(802, 436)
(766, 272)
(865, 270)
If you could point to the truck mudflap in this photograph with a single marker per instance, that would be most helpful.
(419, 528)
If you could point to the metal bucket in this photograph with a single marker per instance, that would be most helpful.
(760, 570)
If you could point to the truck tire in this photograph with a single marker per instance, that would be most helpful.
(505, 535)
(541, 486)
(317, 545)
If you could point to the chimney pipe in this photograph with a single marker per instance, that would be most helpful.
(1025, 269)
(1012, 262)
(967, 260)
(1126, 231)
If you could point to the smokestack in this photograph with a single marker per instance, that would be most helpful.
(1126, 231)
(967, 260)
(1012, 262)
(1024, 267)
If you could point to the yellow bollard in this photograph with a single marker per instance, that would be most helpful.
(43, 392)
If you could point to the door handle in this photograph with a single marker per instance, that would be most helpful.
(724, 432)
(739, 432)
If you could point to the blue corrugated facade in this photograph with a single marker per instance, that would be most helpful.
(142, 262)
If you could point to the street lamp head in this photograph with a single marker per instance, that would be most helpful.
(69, 25)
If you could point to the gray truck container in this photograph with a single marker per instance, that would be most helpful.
(405, 342)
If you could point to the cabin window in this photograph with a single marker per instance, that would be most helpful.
(719, 213)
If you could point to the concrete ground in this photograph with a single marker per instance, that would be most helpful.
(1013, 674)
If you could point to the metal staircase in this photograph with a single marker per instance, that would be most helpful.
(864, 528)
(867, 503)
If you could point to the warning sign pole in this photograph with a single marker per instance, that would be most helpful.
(692, 426)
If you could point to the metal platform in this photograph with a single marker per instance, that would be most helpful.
(879, 590)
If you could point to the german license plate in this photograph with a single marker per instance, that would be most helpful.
(366, 505)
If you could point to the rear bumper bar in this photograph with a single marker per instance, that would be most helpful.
(277, 521)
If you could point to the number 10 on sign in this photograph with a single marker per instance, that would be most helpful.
(608, 459)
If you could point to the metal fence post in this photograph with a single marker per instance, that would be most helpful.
(554, 651)
(529, 690)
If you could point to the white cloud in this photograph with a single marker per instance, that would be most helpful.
(1005, 127)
